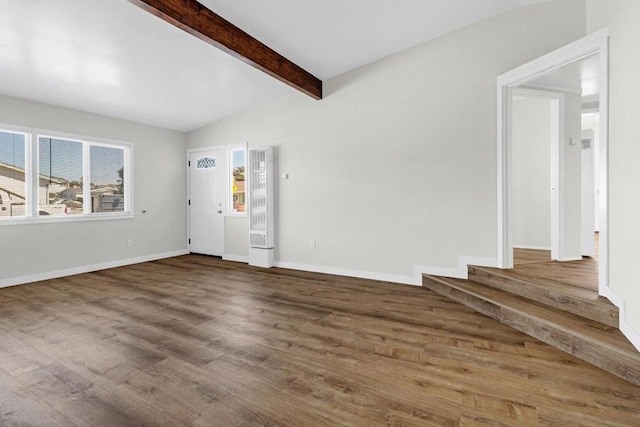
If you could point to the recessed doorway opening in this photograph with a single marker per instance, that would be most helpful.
(570, 184)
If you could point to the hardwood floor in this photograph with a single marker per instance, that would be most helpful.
(530, 256)
(197, 341)
(537, 263)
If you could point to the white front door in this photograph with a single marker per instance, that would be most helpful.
(207, 201)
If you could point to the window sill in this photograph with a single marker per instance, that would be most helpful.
(66, 218)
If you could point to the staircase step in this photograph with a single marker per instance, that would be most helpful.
(580, 301)
(601, 345)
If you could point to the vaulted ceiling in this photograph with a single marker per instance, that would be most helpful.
(112, 58)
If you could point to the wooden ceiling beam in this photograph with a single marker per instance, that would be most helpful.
(197, 20)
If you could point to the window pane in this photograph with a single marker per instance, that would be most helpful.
(60, 181)
(107, 179)
(237, 182)
(12, 175)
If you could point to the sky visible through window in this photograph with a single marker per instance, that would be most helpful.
(238, 158)
(63, 159)
(12, 149)
(105, 163)
(59, 158)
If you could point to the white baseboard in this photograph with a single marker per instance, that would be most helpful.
(461, 272)
(14, 281)
(405, 280)
(458, 273)
(625, 327)
(455, 273)
(533, 248)
(236, 258)
(568, 259)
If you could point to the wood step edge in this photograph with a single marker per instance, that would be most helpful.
(544, 292)
(612, 359)
(561, 287)
(576, 322)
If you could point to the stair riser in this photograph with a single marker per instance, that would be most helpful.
(598, 355)
(554, 299)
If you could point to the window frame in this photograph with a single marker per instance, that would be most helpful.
(27, 161)
(32, 172)
(230, 151)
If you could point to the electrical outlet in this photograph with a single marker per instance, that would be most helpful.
(130, 243)
(313, 244)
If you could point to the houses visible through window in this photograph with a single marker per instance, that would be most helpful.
(60, 181)
(238, 166)
(107, 179)
(73, 178)
(13, 188)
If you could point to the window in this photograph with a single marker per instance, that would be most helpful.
(238, 165)
(13, 186)
(70, 177)
(107, 179)
(60, 181)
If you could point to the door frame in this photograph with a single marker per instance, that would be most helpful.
(595, 43)
(587, 228)
(190, 151)
(556, 155)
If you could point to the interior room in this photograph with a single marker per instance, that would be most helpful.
(344, 213)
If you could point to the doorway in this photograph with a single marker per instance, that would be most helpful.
(207, 201)
(538, 126)
(537, 75)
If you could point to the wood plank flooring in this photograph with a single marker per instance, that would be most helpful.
(530, 256)
(538, 264)
(197, 341)
(583, 274)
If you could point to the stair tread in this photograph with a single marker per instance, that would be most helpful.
(547, 284)
(589, 329)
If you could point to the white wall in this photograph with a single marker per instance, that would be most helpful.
(531, 172)
(396, 167)
(160, 182)
(591, 122)
(622, 17)
(573, 176)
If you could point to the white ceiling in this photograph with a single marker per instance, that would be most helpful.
(331, 37)
(112, 58)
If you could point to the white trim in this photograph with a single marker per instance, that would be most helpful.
(533, 248)
(235, 258)
(595, 43)
(455, 273)
(405, 280)
(212, 148)
(568, 259)
(626, 328)
(559, 57)
(557, 136)
(14, 281)
(240, 147)
(603, 259)
(462, 272)
(590, 110)
(552, 88)
(104, 216)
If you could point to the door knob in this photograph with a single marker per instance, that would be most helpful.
(219, 212)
